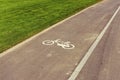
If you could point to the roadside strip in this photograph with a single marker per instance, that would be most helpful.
(91, 49)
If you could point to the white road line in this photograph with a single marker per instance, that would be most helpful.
(44, 31)
(91, 49)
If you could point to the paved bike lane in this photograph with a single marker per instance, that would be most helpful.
(35, 61)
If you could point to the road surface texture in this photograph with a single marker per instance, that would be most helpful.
(35, 61)
(104, 63)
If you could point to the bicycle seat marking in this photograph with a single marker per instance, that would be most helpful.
(59, 42)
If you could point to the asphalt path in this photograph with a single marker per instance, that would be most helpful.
(37, 61)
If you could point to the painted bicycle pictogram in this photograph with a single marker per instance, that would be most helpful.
(59, 42)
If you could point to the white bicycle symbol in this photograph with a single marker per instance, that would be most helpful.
(59, 42)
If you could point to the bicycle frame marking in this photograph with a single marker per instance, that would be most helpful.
(59, 42)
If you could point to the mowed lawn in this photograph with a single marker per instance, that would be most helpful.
(21, 19)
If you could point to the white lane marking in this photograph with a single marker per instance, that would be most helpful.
(59, 42)
(44, 31)
(91, 49)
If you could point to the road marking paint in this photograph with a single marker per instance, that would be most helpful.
(59, 42)
(91, 49)
(44, 31)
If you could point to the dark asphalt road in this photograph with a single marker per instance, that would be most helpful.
(35, 61)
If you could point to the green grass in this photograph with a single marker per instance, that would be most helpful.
(21, 19)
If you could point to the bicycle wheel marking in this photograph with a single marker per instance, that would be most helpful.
(48, 42)
(59, 42)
